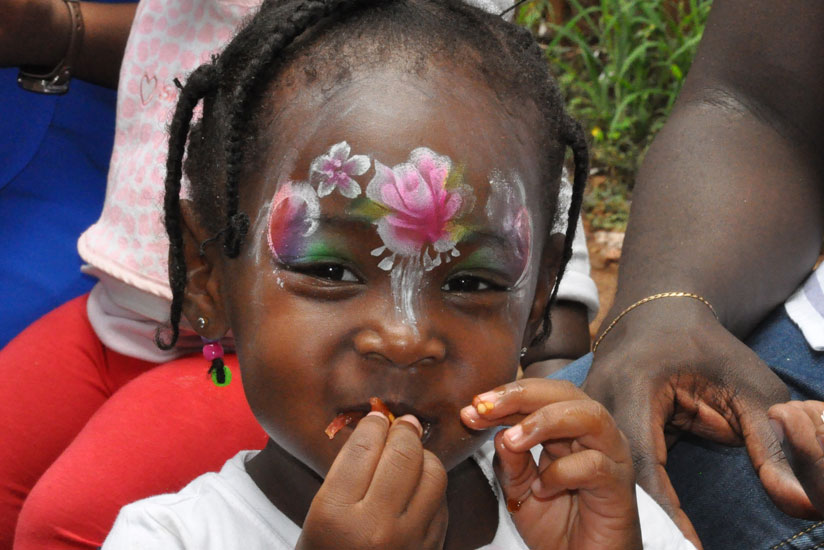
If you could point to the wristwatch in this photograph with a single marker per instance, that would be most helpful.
(57, 80)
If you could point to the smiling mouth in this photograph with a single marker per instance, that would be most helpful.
(353, 415)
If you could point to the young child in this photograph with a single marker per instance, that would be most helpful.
(372, 190)
(96, 415)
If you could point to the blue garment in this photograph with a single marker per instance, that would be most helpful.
(54, 157)
(717, 485)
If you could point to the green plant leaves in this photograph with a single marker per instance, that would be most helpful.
(621, 64)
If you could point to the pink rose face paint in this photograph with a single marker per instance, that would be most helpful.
(424, 213)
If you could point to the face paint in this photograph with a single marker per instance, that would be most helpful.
(417, 207)
(335, 169)
(293, 218)
(506, 208)
(421, 209)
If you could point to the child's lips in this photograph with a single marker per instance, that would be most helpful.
(352, 414)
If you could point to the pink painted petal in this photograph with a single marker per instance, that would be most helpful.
(357, 165)
(397, 241)
(316, 171)
(350, 190)
(325, 188)
(412, 191)
(384, 176)
(452, 206)
(339, 151)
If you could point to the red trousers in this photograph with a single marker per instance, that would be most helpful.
(87, 430)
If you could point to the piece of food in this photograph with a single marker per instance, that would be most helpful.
(343, 419)
(379, 406)
(346, 418)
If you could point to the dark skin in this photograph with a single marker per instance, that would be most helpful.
(313, 341)
(730, 189)
(800, 428)
(568, 341)
(36, 33)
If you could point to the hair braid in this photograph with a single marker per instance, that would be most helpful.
(572, 135)
(200, 83)
(276, 39)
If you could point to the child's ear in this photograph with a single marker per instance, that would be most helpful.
(547, 274)
(202, 298)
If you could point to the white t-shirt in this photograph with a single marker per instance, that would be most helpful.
(226, 510)
(806, 308)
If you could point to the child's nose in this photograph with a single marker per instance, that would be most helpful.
(400, 344)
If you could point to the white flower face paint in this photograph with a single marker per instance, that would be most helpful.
(335, 169)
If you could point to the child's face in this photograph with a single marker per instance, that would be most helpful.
(395, 248)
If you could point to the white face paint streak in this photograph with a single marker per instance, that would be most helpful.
(406, 277)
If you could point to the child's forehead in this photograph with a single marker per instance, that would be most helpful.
(388, 113)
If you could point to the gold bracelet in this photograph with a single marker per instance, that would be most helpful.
(643, 301)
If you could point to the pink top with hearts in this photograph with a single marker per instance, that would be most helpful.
(169, 39)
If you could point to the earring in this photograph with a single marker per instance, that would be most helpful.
(202, 322)
(523, 351)
(213, 351)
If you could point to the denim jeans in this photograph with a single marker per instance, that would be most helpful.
(718, 487)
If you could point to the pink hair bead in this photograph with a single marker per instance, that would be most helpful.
(212, 351)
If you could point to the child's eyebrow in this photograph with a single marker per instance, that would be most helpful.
(334, 220)
(489, 238)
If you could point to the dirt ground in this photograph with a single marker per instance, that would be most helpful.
(604, 254)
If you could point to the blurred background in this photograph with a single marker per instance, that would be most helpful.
(620, 64)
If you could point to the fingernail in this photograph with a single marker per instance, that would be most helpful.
(820, 439)
(779, 431)
(537, 487)
(515, 433)
(485, 402)
(377, 413)
(411, 419)
(470, 414)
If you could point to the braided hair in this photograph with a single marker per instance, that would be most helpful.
(332, 38)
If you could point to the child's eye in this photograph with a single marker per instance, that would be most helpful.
(469, 283)
(329, 272)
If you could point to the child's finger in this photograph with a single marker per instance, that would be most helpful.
(510, 403)
(436, 529)
(399, 469)
(516, 472)
(351, 473)
(430, 494)
(585, 421)
(589, 470)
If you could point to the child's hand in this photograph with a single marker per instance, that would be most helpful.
(800, 426)
(384, 491)
(581, 496)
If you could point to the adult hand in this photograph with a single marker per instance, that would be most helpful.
(581, 494)
(33, 32)
(384, 491)
(800, 428)
(669, 367)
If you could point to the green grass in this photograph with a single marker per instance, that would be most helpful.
(621, 64)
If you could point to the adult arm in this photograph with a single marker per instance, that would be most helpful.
(36, 33)
(728, 205)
